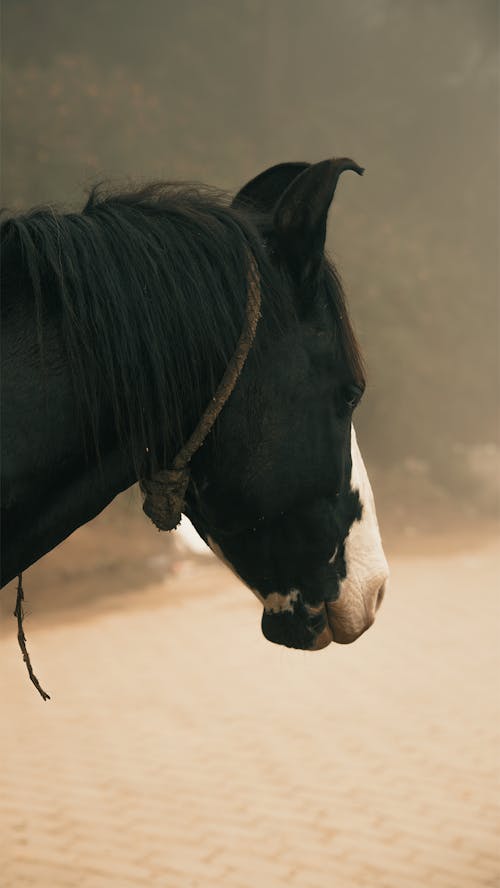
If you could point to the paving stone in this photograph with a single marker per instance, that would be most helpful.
(181, 749)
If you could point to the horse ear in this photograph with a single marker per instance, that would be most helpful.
(263, 192)
(301, 213)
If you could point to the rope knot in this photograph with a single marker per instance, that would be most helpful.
(164, 497)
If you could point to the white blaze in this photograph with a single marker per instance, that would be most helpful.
(366, 565)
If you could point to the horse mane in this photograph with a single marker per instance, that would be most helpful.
(159, 258)
(164, 257)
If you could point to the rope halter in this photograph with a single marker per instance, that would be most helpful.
(165, 492)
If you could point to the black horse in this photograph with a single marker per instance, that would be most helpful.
(117, 326)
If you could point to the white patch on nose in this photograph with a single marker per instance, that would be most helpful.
(366, 565)
(276, 603)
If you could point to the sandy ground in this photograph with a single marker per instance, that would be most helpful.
(181, 749)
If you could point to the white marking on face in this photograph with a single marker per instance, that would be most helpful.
(366, 566)
(276, 603)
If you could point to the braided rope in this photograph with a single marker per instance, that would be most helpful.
(165, 492)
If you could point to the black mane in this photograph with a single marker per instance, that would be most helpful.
(131, 265)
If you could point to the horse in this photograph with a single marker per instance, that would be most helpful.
(118, 324)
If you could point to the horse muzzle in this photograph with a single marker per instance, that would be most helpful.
(290, 621)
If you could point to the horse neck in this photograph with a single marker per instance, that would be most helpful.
(46, 503)
(50, 486)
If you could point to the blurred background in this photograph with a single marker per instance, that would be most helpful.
(239, 770)
(216, 92)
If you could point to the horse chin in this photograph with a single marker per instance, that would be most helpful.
(342, 625)
(325, 637)
(346, 624)
(287, 620)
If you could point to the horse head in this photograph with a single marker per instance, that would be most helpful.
(119, 322)
(280, 491)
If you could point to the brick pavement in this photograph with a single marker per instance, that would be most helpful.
(181, 749)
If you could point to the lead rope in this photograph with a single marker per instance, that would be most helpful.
(19, 614)
(165, 492)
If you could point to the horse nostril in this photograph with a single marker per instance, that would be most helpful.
(380, 596)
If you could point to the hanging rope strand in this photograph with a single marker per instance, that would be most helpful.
(19, 614)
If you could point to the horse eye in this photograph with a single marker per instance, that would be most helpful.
(353, 395)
